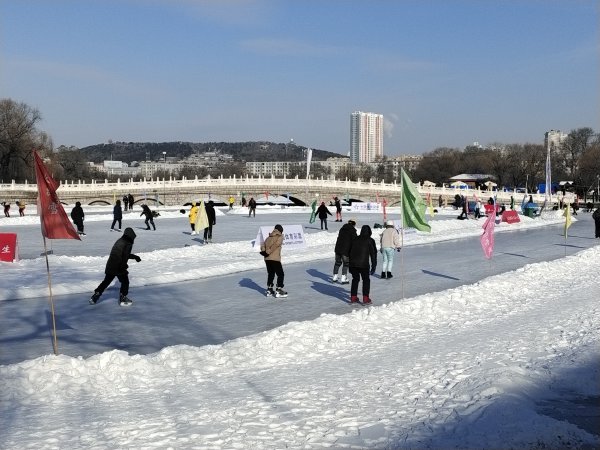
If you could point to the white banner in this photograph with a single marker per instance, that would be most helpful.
(366, 206)
(293, 237)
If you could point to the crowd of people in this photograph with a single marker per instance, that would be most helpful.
(355, 253)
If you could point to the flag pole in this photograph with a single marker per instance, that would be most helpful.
(402, 259)
(51, 299)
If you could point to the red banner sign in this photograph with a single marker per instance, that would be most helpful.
(510, 217)
(8, 247)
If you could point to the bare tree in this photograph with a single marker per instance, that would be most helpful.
(18, 137)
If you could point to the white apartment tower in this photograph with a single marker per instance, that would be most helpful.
(554, 138)
(366, 137)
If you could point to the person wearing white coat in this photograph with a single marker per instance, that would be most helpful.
(390, 242)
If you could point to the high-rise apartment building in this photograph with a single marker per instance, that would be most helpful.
(553, 139)
(366, 137)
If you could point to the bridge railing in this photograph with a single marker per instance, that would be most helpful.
(282, 185)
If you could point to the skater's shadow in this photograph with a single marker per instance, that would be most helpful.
(435, 274)
(189, 233)
(331, 290)
(251, 284)
(313, 228)
(199, 240)
(569, 245)
(317, 274)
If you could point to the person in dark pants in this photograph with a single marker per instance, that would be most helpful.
(271, 250)
(77, 216)
(116, 266)
(149, 219)
(596, 217)
(212, 220)
(338, 209)
(342, 250)
(363, 249)
(117, 216)
(130, 198)
(252, 207)
(125, 201)
(323, 212)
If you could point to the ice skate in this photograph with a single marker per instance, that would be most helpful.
(125, 301)
(344, 280)
(280, 293)
(270, 292)
(334, 278)
(94, 298)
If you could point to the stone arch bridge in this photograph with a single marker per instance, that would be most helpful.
(173, 192)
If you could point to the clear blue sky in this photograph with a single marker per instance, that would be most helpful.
(443, 73)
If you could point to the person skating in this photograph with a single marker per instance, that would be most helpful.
(231, 202)
(338, 209)
(125, 201)
(77, 215)
(342, 250)
(117, 216)
(21, 206)
(363, 249)
(131, 200)
(252, 207)
(271, 250)
(192, 215)
(390, 242)
(212, 220)
(596, 217)
(116, 266)
(6, 209)
(149, 218)
(323, 212)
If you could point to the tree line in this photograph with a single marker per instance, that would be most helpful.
(576, 159)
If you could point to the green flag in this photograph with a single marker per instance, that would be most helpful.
(313, 214)
(413, 206)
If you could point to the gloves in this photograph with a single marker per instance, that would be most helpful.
(398, 249)
(137, 258)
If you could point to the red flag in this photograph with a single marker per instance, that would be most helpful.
(384, 204)
(54, 220)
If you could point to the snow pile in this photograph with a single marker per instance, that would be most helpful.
(455, 369)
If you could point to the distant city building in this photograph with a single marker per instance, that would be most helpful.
(554, 138)
(408, 162)
(366, 137)
(268, 168)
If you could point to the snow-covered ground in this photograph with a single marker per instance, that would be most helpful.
(492, 364)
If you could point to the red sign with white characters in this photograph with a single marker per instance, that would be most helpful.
(8, 247)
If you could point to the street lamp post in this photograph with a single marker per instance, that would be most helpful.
(164, 178)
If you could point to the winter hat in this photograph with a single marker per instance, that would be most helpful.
(389, 223)
(352, 221)
(279, 227)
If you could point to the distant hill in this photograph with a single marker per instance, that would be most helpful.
(241, 151)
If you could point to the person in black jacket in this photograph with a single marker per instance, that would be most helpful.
(116, 266)
(252, 207)
(342, 250)
(117, 216)
(149, 219)
(77, 216)
(212, 220)
(362, 250)
(596, 217)
(323, 212)
(338, 209)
